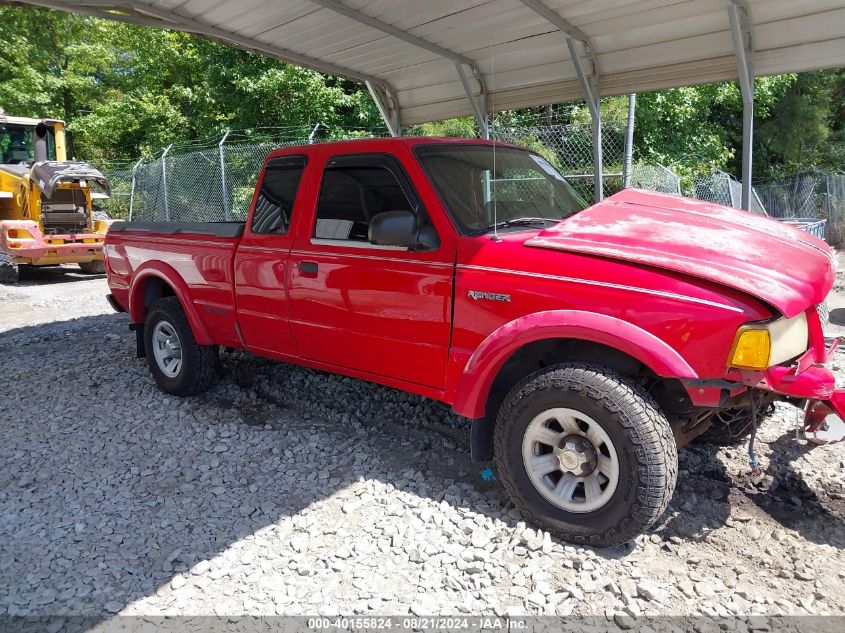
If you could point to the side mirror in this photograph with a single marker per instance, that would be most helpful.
(394, 228)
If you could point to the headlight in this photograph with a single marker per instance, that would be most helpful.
(761, 345)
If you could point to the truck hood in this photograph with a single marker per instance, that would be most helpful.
(781, 265)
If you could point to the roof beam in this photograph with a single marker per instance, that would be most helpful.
(389, 29)
(479, 105)
(150, 16)
(553, 17)
(589, 84)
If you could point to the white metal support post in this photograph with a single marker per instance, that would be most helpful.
(743, 42)
(478, 104)
(627, 163)
(387, 107)
(132, 189)
(589, 85)
(226, 210)
(314, 133)
(164, 182)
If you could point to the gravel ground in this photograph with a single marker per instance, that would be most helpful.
(287, 491)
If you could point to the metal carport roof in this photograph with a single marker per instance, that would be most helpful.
(638, 45)
(426, 60)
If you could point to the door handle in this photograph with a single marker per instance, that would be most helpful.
(308, 269)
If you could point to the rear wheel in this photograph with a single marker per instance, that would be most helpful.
(180, 365)
(585, 454)
(97, 267)
(8, 270)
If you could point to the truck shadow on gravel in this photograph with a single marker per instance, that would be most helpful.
(708, 496)
(112, 492)
(46, 275)
(818, 512)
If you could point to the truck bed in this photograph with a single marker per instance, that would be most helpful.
(195, 257)
(216, 229)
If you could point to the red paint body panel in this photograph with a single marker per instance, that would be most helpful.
(197, 268)
(476, 378)
(665, 280)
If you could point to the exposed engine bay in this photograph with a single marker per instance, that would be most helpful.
(66, 211)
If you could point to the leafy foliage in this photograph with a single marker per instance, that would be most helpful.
(128, 90)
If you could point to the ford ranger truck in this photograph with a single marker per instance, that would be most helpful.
(585, 343)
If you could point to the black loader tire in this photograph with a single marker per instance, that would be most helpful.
(199, 368)
(97, 267)
(639, 431)
(8, 270)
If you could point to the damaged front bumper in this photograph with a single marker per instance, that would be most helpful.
(807, 382)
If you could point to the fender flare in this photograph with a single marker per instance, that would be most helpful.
(168, 275)
(483, 366)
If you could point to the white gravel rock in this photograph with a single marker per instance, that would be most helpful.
(308, 493)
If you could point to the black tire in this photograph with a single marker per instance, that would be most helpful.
(199, 366)
(97, 267)
(9, 273)
(733, 426)
(639, 431)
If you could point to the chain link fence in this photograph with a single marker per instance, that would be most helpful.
(809, 200)
(723, 189)
(215, 181)
(570, 149)
(655, 178)
(808, 197)
(120, 181)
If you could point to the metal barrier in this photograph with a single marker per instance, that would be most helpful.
(214, 180)
(810, 225)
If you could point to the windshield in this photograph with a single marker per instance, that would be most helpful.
(17, 143)
(524, 188)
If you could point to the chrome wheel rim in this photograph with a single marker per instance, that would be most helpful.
(570, 459)
(167, 349)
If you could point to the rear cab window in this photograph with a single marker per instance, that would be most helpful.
(277, 194)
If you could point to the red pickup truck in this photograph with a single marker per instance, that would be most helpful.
(586, 343)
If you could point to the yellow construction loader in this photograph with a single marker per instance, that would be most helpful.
(47, 215)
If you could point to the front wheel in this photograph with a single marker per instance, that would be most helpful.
(585, 454)
(180, 366)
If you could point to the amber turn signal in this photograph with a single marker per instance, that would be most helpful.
(752, 349)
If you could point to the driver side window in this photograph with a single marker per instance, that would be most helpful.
(354, 189)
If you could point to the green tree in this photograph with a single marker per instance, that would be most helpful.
(129, 90)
